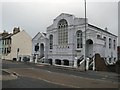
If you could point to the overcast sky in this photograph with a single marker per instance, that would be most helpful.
(35, 16)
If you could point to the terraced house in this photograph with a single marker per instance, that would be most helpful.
(16, 45)
(0, 46)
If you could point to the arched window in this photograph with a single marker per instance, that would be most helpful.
(79, 39)
(62, 32)
(114, 44)
(110, 43)
(105, 41)
(98, 36)
(51, 41)
(37, 47)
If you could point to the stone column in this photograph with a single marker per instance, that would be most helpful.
(70, 63)
(53, 61)
(62, 62)
(75, 62)
(21, 58)
(87, 63)
(36, 58)
(31, 59)
(93, 64)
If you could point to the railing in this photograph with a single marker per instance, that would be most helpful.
(90, 63)
(106, 62)
(80, 60)
(41, 59)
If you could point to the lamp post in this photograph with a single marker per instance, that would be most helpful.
(85, 34)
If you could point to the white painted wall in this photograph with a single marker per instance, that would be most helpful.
(22, 41)
(75, 24)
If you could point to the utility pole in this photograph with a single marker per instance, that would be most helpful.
(85, 34)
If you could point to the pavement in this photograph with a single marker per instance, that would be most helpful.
(64, 76)
(6, 75)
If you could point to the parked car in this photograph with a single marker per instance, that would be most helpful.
(26, 59)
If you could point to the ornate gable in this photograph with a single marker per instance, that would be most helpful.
(39, 36)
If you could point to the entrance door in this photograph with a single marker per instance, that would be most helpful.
(89, 48)
(41, 50)
(50, 61)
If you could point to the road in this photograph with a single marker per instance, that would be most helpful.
(45, 76)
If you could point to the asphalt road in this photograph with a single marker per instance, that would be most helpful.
(28, 82)
(87, 74)
(24, 82)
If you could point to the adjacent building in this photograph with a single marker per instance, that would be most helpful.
(64, 42)
(118, 52)
(0, 46)
(16, 45)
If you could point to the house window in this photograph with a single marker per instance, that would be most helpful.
(79, 39)
(2, 50)
(2, 42)
(51, 41)
(62, 32)
(109, 43)
(37, 47)
(5, 51)
(114, 44)
(105, 41)
(10, 41)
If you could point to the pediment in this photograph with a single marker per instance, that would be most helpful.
(39, 36)
(64, 15)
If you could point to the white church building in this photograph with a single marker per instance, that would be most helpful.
(64, 42)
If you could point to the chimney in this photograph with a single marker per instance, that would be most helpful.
(106, 29)
(5, 33)
(16, 30)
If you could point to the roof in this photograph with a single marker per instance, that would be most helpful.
(8, 36)
(64, 14)
(101, 29)
(36, 35)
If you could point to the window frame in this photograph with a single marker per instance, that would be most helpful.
(79, 39)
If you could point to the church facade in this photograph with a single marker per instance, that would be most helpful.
(65, 41)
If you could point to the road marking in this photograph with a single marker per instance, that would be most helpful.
(49, 71)
(69, 75)
(39, 65)
(54, 82)
(103, 79)
(58, 83)
(84, 77)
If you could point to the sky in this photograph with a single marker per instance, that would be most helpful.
(35, 16)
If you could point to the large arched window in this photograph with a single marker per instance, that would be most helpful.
(79, 39)
(62, 32)
(51, 41)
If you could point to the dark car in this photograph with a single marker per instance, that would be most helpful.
(26, 59)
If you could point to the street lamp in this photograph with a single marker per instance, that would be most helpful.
(85, 34)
